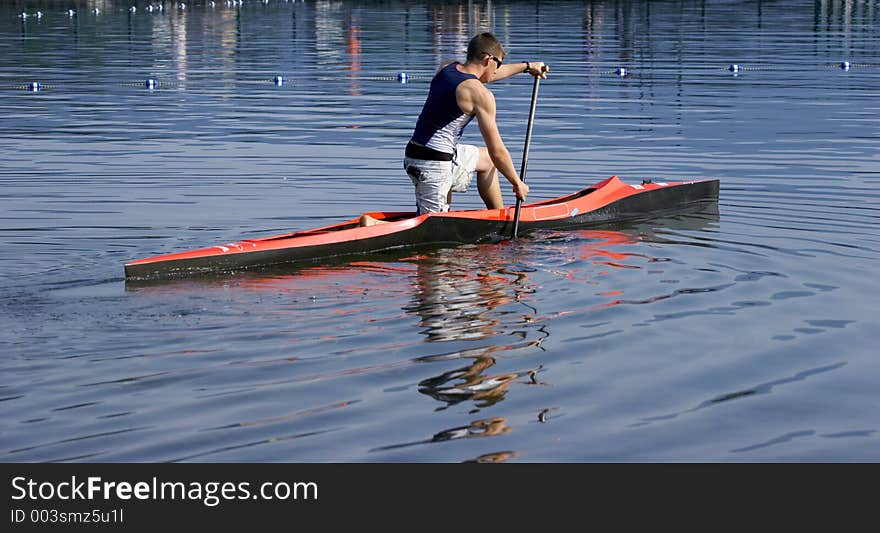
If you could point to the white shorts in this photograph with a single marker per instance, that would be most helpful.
(434, 179)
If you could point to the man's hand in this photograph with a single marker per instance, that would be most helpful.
(538, 69)
(520, 189)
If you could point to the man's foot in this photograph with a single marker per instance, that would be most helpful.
(367, 220)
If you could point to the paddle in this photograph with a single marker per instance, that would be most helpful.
(525, 159)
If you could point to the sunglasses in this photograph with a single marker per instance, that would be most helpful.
(497, 61)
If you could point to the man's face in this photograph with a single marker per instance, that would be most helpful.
(493, 63)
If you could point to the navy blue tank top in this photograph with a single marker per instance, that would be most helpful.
(441, 121)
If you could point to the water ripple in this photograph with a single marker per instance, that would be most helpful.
(763, 388)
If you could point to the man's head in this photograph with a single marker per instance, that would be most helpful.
(483, 46)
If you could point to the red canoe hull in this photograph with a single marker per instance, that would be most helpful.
(609, 201)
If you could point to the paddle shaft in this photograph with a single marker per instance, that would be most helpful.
(525, 159)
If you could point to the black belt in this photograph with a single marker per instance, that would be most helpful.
(418, 151)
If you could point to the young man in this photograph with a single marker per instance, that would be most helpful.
(436, 161)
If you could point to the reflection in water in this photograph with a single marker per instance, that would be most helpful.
(485, 427)
(330, 35)
(469, 383)
(453, 25)
(353, 45)
(457, 293)
(463, 294)
(178, 24)
(544, 415)
(598, 249)
(495, 457)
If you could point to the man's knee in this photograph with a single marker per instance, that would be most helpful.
(487, 179)
(484, 162)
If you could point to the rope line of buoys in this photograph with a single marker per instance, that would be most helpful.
(403, 77)
(736, 68)
(158, 7)
(620, 72)
(846, 65)
(33, 86)
(400, 77)
(278, 80)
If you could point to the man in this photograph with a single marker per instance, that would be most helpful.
(435, 160)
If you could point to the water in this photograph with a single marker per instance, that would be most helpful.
(741, 335)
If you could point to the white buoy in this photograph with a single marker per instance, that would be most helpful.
(845, 65)
(71, 13)
(38, 14)
(23, 16)
(181, 6)
(96, 11)
(35, 86)
(150, 84)
(734, 68)
(621, 72)
(402, 77)
(279, 80)
(132, 9)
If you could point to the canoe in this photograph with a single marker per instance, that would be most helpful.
(609, 201)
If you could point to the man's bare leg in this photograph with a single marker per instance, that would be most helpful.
(487, 181)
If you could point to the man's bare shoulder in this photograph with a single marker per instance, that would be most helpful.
(472, 94)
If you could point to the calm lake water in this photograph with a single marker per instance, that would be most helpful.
(739, 335)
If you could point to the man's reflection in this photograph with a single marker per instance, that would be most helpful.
(456, 294)
(484, 427)
(470, 383)
(463, 294)
(494, 457)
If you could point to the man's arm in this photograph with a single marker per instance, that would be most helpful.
(484, 109)
(536, 68)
